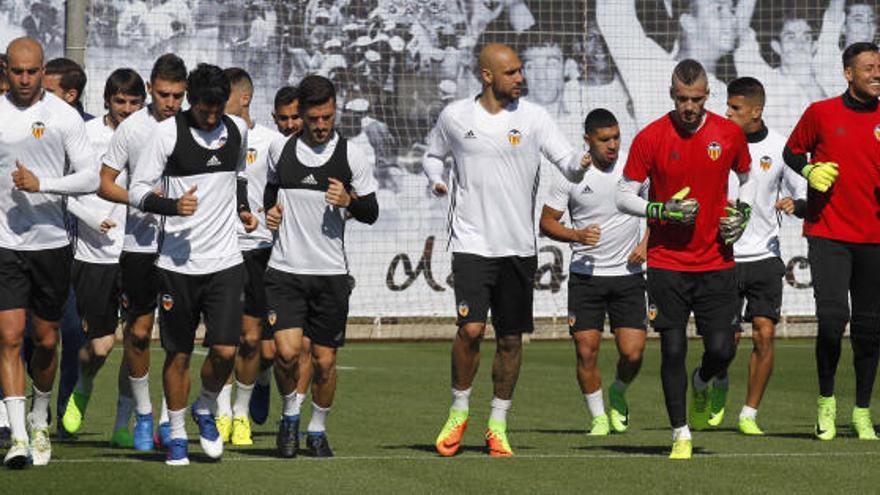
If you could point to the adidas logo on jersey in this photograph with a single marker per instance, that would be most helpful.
(213, 161)
(309, 180)
(470, 135)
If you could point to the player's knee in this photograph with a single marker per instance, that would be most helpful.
(833, 318)
(101, 348)
(287, 356)
(177, 362)
(139, 337)
(472, 331)
(12, 339)
(46, 341)
(222, 354)
(248, 344)
(631, 356)
(509, 344)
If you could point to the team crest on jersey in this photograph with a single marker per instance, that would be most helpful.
(572, 319)
(652, 312)
(514, 137)
(251, 156)
(38, 129)
(463, 309)
(766, 162)
(714, 150)
(272, 317)
(167, 302)
(877, 132)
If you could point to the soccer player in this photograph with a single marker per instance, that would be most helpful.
(197, 156)
(67, 80)
(689, 152)
(605, 273)
(256, 246)
(759, 266)
(167, 87)
(99, 231)
(43, 137)
(497, 141)
(841, 135)
(311, 182)
(289, 123)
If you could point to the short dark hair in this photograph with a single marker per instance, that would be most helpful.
(747, 87)
(599, 118)
(856, 49)
(239, 77)
(315, 90)
(126, 81)
(207, 84)
(169, 67)
(688, 72)
(72, 75)
(286, 95)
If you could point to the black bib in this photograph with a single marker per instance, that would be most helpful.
(189, 158)
(292, 174)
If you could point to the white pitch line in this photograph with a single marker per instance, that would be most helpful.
(781, 455)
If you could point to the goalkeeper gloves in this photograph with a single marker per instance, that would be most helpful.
(820, 175)
(677, 209)
(734, 224)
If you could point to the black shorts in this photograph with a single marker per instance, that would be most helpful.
(218, 297)
(35, 280)
(140, 283)
(97, 289)
(504, 285)
(255, 262)
(760, 289)
(712, 297)
(316, 303)
(590, 298)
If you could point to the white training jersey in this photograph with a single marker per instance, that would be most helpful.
(592, 202)
(495, 172)
(49, 138)
(259, 139)
(207, 241)
(90, 211)
(123, 153)
(774, 180)
(311, 237)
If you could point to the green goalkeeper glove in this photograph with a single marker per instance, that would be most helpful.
(734, 224)
(820, 175)
(677, 209)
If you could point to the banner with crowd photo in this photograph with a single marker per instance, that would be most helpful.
(397, 63)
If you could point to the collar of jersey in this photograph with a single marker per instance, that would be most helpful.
(858, 106)
(759, 135)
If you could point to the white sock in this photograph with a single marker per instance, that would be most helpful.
(699, 384)
(178, 423)
(300, 400)
(124, 407)
(499, 407)
(595, 403)
(620, 385)
(163, 416)
(242, 399)
(15, 409)
(265, 377)
(207, 402)
(140, 390)
(461, 399)
(224, 401)
(683, 432)
(4, 418)
(290, 405)
(319, 417)
(748, 412)
(40, 408)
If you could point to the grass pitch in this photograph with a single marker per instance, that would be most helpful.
(393, 398)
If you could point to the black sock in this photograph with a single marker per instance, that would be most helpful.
(673, 374)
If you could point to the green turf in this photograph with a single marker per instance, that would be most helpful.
(392, 400)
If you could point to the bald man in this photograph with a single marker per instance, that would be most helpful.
(41, 137)
(497, 141)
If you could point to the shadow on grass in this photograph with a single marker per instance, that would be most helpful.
(157, 457)
(549, 431)
(658, 450)
(798, 435)
(431, 449)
